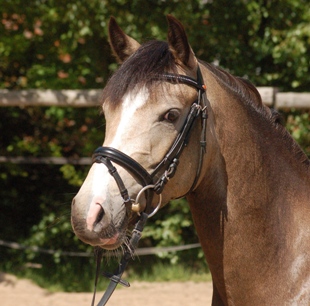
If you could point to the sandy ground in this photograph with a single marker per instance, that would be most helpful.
(14, 291)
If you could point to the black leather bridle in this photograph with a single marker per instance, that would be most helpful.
(156, 181)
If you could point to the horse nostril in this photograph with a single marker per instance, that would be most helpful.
(94, 216)
(100, 215)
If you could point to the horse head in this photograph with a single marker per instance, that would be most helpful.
(146, 104)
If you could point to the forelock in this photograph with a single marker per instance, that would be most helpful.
(140, 70)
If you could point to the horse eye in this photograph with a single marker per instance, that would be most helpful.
(171, 115)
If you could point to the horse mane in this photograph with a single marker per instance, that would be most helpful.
(154, 58)
(246, 92)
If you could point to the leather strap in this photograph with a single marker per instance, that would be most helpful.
(106, 154)
(116, 278)
(125, 161)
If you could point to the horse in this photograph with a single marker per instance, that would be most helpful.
(180, 127)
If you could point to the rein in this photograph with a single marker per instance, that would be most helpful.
(165, 170)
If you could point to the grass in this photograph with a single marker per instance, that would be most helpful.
(163, 272)
(73, 274)
(82, 280)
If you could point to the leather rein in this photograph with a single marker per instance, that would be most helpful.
(165, 170)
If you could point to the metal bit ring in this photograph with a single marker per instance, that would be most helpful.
(136, 206)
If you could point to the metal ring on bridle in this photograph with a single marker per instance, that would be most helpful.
(139, 195)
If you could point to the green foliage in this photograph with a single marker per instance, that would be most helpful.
(59, 44)
(173, 225)
(298, 124)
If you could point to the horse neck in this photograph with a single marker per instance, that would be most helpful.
(250, 177)
(247, 151)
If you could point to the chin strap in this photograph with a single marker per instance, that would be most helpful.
(116, 277)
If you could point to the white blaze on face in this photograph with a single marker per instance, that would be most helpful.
(132, 101)
(100, 173)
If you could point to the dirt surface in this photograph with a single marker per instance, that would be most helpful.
(14, 291)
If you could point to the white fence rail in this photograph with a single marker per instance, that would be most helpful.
(48, 97)
(92, 97)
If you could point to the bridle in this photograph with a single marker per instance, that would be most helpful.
(156, 181)
(168, 166)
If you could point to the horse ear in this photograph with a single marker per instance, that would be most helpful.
(122, 45)
(178, 43)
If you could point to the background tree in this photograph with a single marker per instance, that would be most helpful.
(62, 44)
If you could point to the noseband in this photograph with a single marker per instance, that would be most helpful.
(156, 181)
